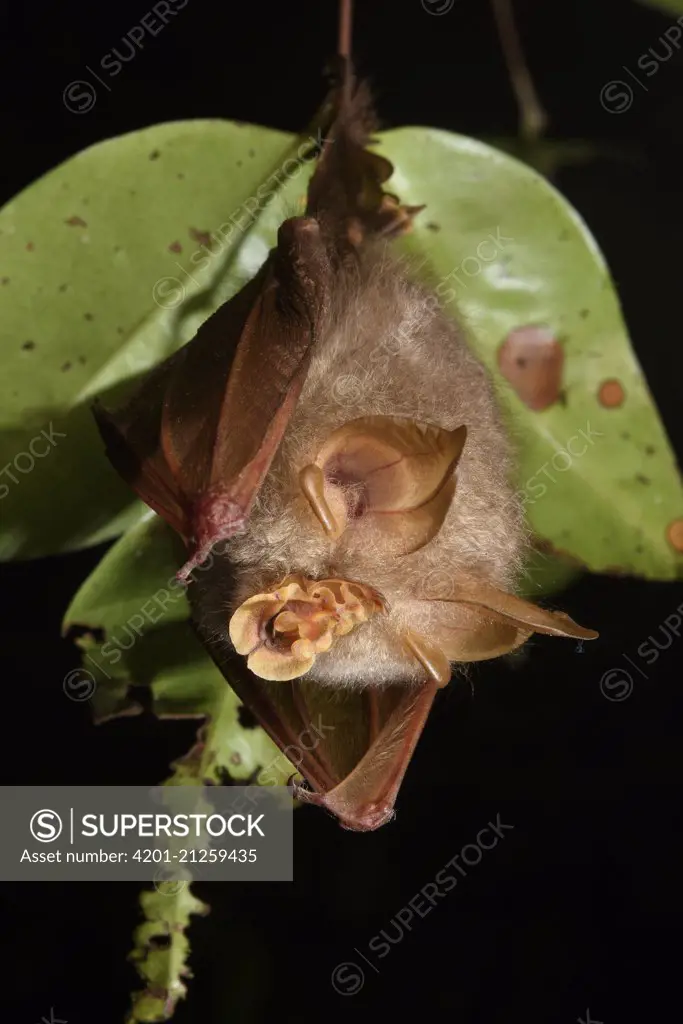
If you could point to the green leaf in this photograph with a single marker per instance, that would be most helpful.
(128, 576)
(545, 573)
(610, 507)
(161, 950)
(138, 633)
(89, 284)
(672, 7)
(546, 270)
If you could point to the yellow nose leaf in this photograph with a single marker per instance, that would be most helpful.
(278, 666)
(283, 632)
(247, 624)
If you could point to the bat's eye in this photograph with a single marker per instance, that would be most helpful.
(394, 477)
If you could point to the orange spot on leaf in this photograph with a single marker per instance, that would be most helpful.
(674, 534)
(531, 360)
(611, 394)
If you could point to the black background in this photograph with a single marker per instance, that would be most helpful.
(579, 907)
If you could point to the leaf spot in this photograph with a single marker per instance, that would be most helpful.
(76, 222)
(611, 394)
(203, 237)
(175, 247)
(531, 359)
(674, 534)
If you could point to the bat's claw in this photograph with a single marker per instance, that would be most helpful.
(355, 819)
(215, 518)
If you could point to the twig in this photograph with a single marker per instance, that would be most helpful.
(345, 12)
(532, 117)
(344, 46)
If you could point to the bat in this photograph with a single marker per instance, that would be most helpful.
(331, 452)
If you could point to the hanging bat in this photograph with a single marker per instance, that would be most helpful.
(351, 530)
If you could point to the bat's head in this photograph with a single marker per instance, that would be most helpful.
(385, 581)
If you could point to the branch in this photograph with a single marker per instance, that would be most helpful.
(532, 117)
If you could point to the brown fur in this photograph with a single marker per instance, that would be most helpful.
(385, 349)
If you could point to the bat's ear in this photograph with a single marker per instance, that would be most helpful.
(480, 621)
(391, 476)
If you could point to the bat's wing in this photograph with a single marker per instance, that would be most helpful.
(198, 438)
(351, 748)
(364, 798)
(476, 621)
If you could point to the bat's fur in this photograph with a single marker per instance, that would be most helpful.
(386, 348)
(378, 345)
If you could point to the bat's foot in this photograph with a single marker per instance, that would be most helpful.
(356, 819)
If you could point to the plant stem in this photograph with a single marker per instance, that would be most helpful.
(344, 46)
(345, 13)
(532, 117)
